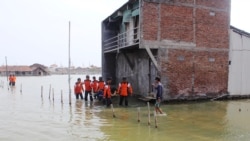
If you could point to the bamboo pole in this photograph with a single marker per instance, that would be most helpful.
(21, 89)
(148, 113)
(42, 92)
(62, 96)
(155, 120)
(138, 114)
(7, 71)
(49, 90)
(69, 68)
(53, 94)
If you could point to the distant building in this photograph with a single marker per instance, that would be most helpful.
(16, 70)
(33, 70)
(185, 42)
(39, 70)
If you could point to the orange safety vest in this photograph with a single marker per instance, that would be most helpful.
(78, 88)
(94, 86)
(124, 89)
(13, 78)
(87, 84)
(107, 92)
(100, 86)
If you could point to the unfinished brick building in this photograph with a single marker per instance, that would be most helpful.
(185, 42)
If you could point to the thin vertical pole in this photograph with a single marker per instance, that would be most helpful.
(53, 97)
(6, 68)
(148, 113)
(62, 96)
(155, 120)
(42, 92)
(49, 90)
(69, 68)
(21, 89)
(138, 114)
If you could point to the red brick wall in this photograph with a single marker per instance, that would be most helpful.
(206, 72)
(221, 4)
(177, 23)
(210, 76)
(178, 72)
(212, 31)
(202, 69)
(150, 21)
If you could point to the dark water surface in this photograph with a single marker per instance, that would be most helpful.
(26, 116)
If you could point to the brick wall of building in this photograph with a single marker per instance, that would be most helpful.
(199, 69)
(150, 22)
(176, 23)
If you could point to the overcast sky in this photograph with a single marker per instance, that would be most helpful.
(36, 31)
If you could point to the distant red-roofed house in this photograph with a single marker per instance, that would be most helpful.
(16, 70)
(24, 70)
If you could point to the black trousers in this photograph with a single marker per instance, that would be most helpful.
(121, 100)
(90, 95)
(108, 101)
(79, 94)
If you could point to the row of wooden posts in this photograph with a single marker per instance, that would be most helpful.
(53, 94)
(138, 108)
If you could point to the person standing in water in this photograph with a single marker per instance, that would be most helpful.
(78, 89)
(100, 89)
(124, 90)
(13, 80)
(94, 85)
(107, 92)
(87, 84)
(159, 89)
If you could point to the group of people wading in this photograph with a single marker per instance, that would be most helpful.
(98, 89)
(103, 92)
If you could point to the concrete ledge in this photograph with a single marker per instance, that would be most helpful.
(198, 98)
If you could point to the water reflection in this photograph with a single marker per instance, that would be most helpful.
(206, 121)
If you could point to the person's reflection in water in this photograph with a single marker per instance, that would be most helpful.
(88, 113)
(78, 112)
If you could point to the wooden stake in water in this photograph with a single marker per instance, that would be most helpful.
(6, 69)
(61, 96)
(69, 68)
(42, 92)
(138, 114)
(70, 98)
(21, 89)
(49, 90)
(53, 97)
(155, 120)
(148, 113)
(113, 110)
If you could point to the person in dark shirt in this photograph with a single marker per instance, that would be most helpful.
(159, 89)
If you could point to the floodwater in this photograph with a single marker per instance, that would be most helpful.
(25, 115)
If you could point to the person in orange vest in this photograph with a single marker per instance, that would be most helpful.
(87, 84)
(13, 80)
(78, 89)
(100, 89)
(124, 90)
(107, 92)
(10, 80)
(94, 84)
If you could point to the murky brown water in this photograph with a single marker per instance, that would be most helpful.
(25, 116)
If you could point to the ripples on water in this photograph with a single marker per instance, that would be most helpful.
(26, 116)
